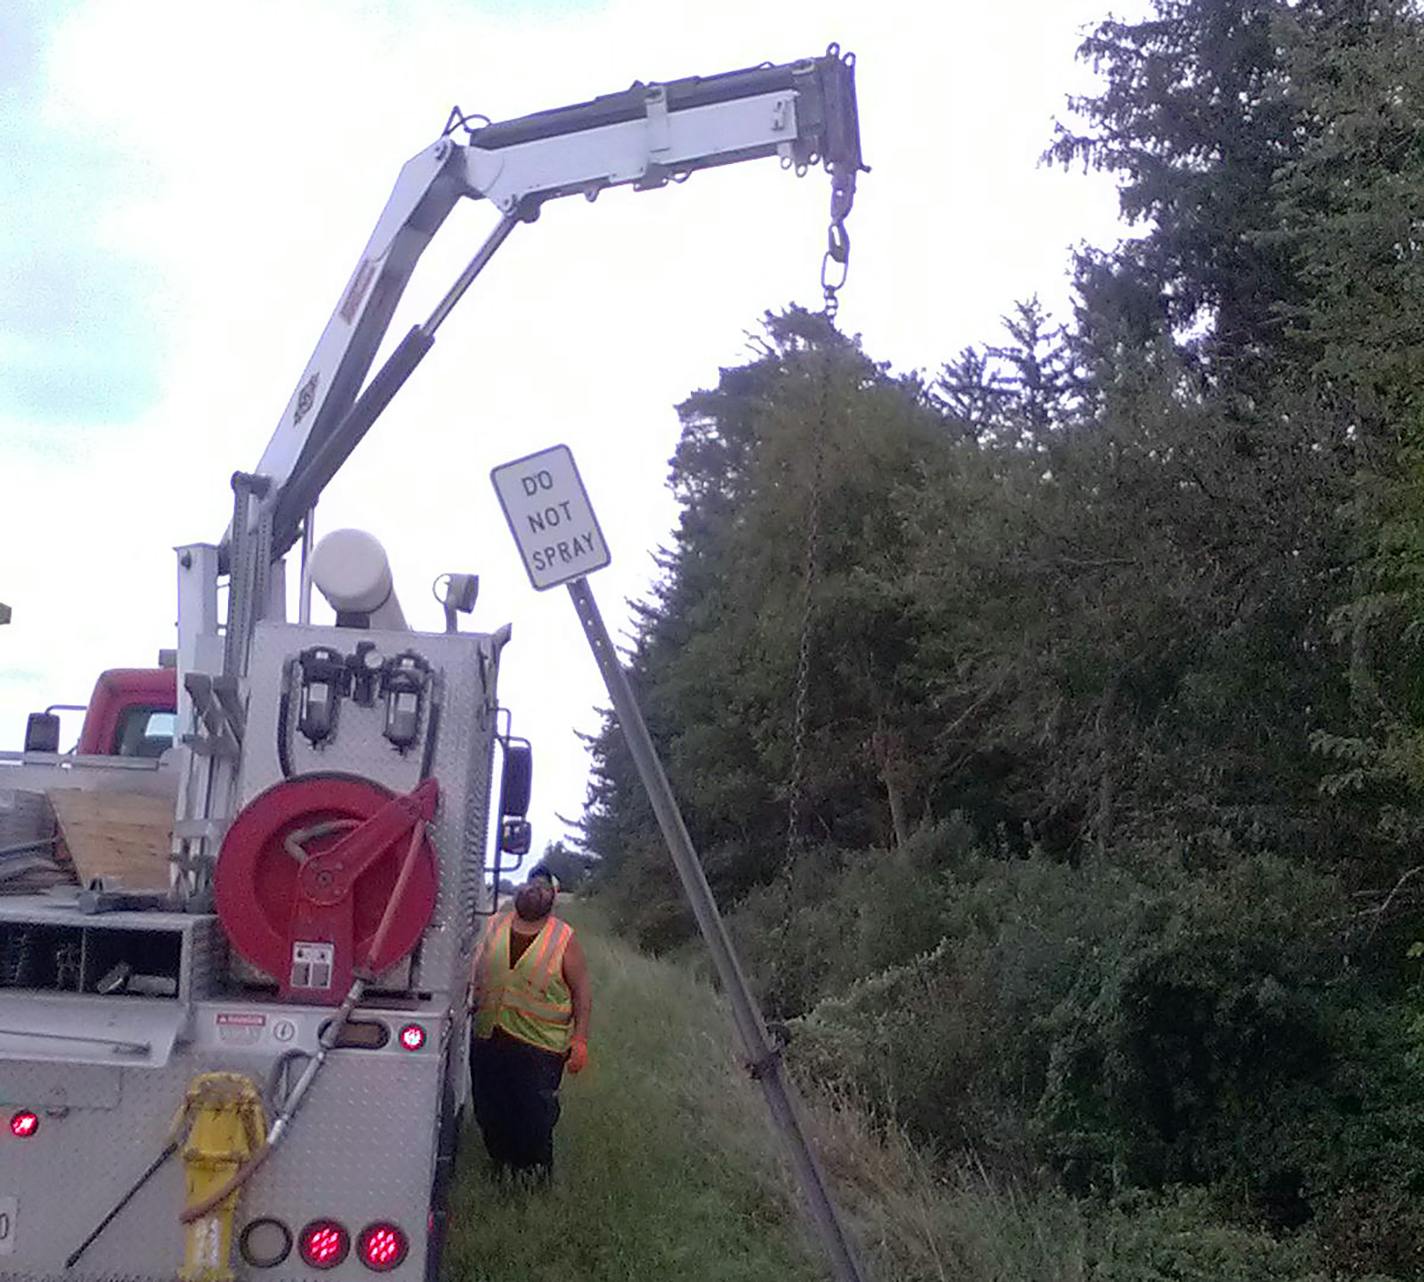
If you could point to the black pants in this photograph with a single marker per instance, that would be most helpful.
(515, 1088)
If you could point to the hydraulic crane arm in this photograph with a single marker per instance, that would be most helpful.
(646, 136)
(803, 111)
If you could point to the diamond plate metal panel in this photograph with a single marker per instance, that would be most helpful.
(45, 1088)
(86, 1277)
(70, 1029)
(206, 960)
(462, 762)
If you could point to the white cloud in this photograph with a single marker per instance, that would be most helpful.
(257, 145)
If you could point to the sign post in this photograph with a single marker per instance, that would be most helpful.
(557, 534)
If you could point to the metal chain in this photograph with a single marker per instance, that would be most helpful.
(803, 655)
(835, 267)
(835, 262)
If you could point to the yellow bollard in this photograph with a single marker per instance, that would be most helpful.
(226, 1125)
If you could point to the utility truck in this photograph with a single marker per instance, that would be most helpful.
(256, 1067)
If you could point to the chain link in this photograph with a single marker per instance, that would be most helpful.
(835, 267)
(803, 655)
(835, 262)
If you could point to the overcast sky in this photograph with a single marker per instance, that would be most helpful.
(188, 187)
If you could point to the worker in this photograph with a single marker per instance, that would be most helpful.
(531, 1002)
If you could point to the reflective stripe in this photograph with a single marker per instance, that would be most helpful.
(558, 1026)
(513, 995)
(487, 938)
(554, 954)
(545, 1014)
(540, 949)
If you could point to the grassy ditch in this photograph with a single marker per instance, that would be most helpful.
(660, 1169)
(667, 1168)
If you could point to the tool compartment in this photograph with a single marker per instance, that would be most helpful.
(48, 945)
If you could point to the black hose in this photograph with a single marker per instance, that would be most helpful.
(284, 711)
(432, 733)
(143, 1179)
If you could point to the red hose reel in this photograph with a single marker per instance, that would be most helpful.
(306, 877)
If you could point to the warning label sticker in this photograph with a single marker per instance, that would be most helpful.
(241, 1028)
(312, 964)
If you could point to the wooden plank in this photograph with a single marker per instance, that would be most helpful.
(122, 837)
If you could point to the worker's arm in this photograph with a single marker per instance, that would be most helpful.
(576, 978)
(477, 966)
(472, 1002)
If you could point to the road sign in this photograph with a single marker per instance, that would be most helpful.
(550, 516)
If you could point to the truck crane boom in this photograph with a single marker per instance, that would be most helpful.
(645, 136)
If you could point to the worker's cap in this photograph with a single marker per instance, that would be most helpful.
(547, 873)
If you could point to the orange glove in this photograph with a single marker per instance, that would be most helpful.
(578, 1055)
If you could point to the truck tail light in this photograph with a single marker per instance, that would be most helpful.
(382, 1247)
(24, 1124)
(412, 1037)
(324, 1244)
(265, 1243)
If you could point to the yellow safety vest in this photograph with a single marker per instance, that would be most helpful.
(528, 1000)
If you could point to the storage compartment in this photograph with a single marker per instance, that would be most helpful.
(145, 963)
(91, 959)
(50, 958)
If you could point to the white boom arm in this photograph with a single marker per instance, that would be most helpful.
(805, 112)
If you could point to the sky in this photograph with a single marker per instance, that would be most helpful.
(189, 186)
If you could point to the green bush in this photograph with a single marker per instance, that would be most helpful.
(965, 960)
(1184, 1236)
(1122, 1028)
(1171, 1058)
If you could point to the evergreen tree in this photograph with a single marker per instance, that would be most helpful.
(1194, 120)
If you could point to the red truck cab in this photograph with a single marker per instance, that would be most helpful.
(132, 713)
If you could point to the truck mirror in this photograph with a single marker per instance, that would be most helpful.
(517, 780)
(515, 837)
(42, 732)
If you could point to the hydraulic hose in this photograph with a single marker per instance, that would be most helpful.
(284, 716)
(175, 1142)
(432, 730)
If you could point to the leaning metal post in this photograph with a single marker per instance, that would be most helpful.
(764, 1059)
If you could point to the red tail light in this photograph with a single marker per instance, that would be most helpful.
(25, 1124)
(412, 1037)
(382, 1247)
(324, 1244)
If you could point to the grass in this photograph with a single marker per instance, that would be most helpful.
(653, 1177)
(667, 1168)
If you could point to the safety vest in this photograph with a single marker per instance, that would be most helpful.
(528, 1000)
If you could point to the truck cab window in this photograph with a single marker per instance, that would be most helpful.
(144, 732)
